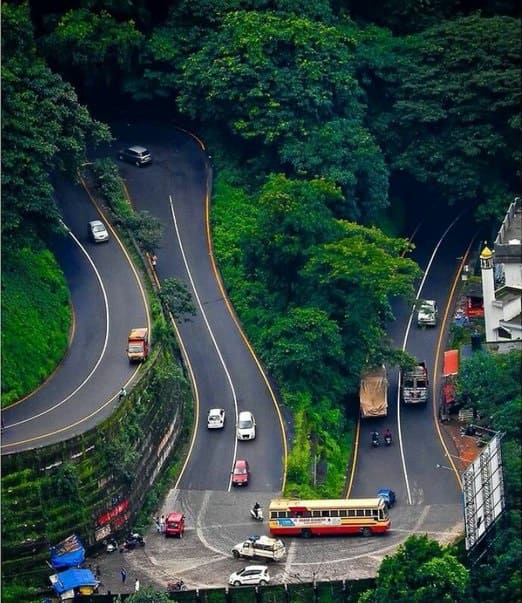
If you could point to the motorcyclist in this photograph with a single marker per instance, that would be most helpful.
(255, 509)
(387, 435)
(375, 437)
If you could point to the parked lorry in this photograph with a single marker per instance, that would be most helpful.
(262, 547)
(450, 371)
(414, 384)
(138, 345)
(373, 393)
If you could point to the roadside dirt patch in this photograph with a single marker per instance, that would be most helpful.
(464, 447)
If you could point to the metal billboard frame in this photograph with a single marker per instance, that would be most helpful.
(483, 492)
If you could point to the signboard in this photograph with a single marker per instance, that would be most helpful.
(483, 491)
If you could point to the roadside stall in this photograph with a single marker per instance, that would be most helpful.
(68, 553)
(73, 583)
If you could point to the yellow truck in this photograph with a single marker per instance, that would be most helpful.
(138, 345)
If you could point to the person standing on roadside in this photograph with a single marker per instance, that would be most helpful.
(136, 585)
(123, 575)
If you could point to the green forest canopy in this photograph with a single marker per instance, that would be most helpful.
(322, 115)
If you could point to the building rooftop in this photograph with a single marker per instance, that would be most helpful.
(508, 244)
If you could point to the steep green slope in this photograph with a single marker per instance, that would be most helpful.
(36, 318)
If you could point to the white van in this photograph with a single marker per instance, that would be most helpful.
(246, 426)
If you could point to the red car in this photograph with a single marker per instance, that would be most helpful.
(241, 473)
(175, 525)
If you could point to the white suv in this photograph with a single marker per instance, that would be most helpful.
(246, 426)
(250, 575)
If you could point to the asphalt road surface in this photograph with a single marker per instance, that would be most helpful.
(84, 388)
(429, 499)
(176, 189)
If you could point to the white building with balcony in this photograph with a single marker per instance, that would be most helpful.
(502, 280)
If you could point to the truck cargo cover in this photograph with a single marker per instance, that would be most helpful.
(373, 393)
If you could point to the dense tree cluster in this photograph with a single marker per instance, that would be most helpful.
(321, 115)
(490, 385)
(421, 571)
(44, 130)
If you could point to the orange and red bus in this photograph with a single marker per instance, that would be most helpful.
(294, 517)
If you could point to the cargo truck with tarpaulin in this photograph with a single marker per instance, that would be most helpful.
(373, 393)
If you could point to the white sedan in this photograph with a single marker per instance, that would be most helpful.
(216, 418)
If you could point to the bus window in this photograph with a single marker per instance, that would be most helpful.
(351, 513)
(325, 513)
(359, 512)
(342, 513)
(316, 513)
(334, 513)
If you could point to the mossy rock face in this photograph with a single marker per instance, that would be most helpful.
(71, 486)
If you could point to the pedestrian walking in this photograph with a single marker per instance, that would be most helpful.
(154, 260)
(122, 394)
(136, 585)
(158, 525)
(123, 575)
(162, 524)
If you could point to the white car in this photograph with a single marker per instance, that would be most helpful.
(246, 426)
(216, 418)
(97, 232)
(250, 575)
(427, 313)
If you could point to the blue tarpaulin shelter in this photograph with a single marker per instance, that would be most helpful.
(68, 553)
(73, 578)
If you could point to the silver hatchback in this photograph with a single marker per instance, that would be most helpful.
(137, 155)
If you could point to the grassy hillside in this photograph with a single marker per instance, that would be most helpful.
(36, 319)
